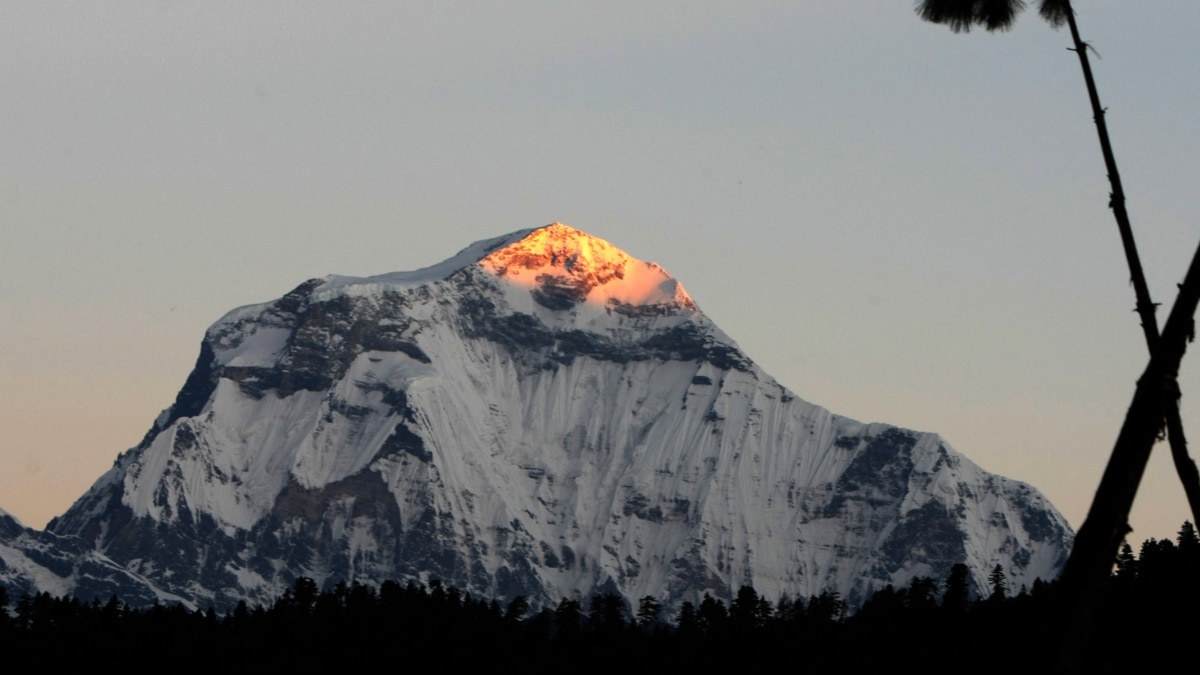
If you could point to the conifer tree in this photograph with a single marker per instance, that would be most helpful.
(648, 610)
(921, 594)
(517, 608)
(568, 617)
(744, 610)
(1126, 565)
(827, 607)
(957, 592)
(712, 614)
(1187, 539)
(607, 612)
(687, 621)
(999, 583)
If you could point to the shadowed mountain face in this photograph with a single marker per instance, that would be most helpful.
(544, 415)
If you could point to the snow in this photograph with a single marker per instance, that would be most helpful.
(262, 347)
(563, 252)
(395, 281)
(664, 477)
(42, 578)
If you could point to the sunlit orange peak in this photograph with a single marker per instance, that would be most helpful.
(561, 255)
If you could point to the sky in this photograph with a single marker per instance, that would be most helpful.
(899, 223)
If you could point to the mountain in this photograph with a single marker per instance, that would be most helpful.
(33, 562)
(543, 415)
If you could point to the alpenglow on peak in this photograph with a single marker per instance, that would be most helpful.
(558, 265)
(564, 266)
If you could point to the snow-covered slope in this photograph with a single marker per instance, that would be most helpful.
(542, 414)
(36, 562)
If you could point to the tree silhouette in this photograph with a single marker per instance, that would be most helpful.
(517, 608)
(712, 615)
(958, 591)
(922, 595)
(607, 612)
(960, 15)
(1126, 572)
(1157, 396)
(568, 617)
(648, 610)
(827, 607)
(999, 583)
(1098, 539)
(688, 622)
(747, 612)
(1187, 538)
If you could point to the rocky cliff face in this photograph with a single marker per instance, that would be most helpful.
(541, 415)
(34, 562)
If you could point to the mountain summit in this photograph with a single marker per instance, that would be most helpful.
(540, 415)
(563, 267)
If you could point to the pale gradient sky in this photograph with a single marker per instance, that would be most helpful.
(900, 224)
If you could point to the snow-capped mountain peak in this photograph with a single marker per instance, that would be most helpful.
(541, 414)
(561, 267)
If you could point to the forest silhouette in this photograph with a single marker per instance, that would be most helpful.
(929, 621)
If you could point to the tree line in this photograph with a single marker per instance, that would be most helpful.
(928, 620)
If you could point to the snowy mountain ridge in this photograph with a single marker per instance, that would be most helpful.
(544, 415)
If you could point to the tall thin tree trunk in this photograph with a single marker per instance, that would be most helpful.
(1099, 539)
(1184, 466)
